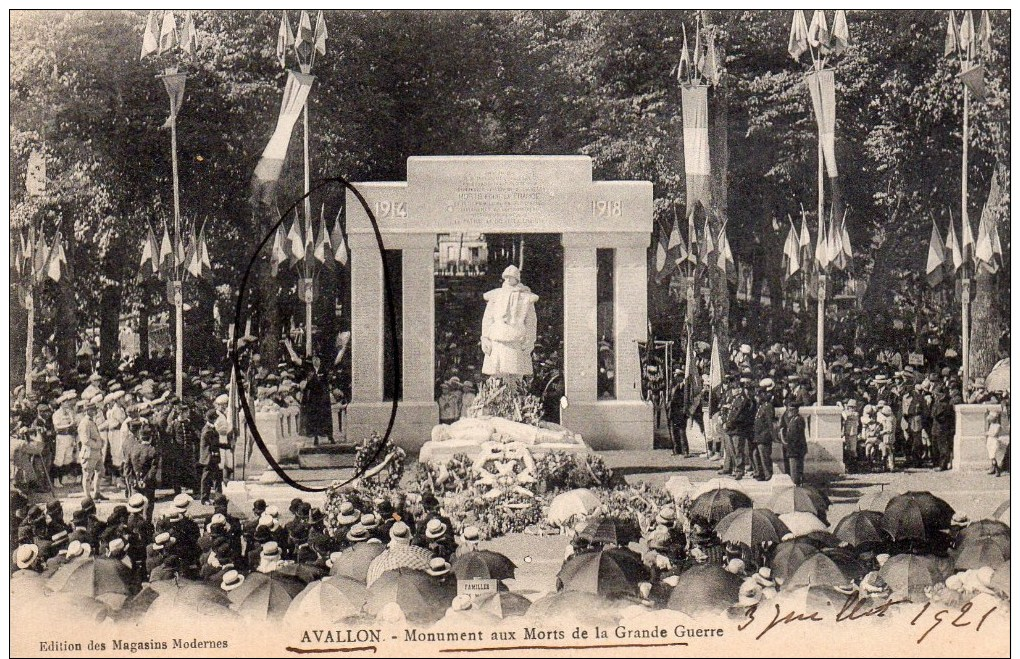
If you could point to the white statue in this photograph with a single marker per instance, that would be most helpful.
(509, 327)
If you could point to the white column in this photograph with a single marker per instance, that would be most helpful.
(630, 314)
(366, 320)
(419, 324)
(580, 347)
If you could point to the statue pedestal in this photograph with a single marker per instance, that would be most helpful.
(438, 453)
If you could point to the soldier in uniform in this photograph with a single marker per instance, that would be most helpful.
(110, 429)
(64, 426)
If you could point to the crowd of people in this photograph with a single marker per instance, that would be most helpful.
(893, 414)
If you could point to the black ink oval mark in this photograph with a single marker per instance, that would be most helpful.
(249, 416)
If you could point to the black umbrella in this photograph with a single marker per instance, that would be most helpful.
(606, 531)
(705, 589)
(976, 553)
(716, 504)
(788, 556)
(916, 516)
(799, 500)
(483, 564)
(862, 528)
(983, 528)
(610, 572)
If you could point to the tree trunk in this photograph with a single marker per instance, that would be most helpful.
(985, 325)
(109, 328)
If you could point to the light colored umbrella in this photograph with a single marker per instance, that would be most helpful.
(575, 503)
(818, 570)
(330, 600)
(422, 598)
(800, 524)
(354, 562)
(265, 596)
(798, 499)
(504, 604)
(998, 378)
(1002, 512)
(104, 579)
(877, 500)
(398, 556)
(788, 556)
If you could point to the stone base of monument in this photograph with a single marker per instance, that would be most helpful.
(411, 428)
(468, 435)
(279, 431)
(970, 452)
(327, 456)
(825, 440)
(612, 424)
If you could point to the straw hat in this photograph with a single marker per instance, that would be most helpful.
(136, 503)
(348, 513)
(26, 555)
(438, 567)
(400, 533)
(231, 580)
(435, 529)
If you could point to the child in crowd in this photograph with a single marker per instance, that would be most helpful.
(888, 430)
(871, 432)
(851, 434)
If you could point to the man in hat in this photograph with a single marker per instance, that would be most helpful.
(209, 458)
(64, 426)
(509, 327)
(470, 539)
(227, 436)
(129, 442)
(764, 431)
(439, 538)
(740, 425)
(144, 467)
(90, 450)
(795, 440)
(943, 426)
(677, 415)
(911, 411)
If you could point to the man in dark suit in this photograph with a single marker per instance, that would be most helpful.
(209, 457)
(144, 461)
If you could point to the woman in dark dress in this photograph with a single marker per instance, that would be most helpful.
(316, 407)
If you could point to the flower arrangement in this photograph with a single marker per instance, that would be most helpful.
(361, 496)
(375, 455)
(454, 476)
(508, 399)
(560, 470)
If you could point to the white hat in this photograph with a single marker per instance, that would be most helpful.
(435, 529)
(222, 399)
(114, 395)
(75, 549)
(512, 271)
(767, 384)
(745, 348)
(472, 535)
(231, 580)
(162, 540)
(137, 502)
(117, 544)
(66, 396)
(25, 555)
(438, 567)
(334, 558)
(271, 549)
(182, 501)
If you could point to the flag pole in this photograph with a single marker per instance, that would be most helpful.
(820, 348)
(965, 317)
(30, 338)
(177, 287)
(308, 218)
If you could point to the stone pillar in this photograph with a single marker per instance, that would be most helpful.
(626, 422)
(970, 448)
(417, 411)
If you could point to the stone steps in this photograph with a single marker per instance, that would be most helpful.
(327, 456)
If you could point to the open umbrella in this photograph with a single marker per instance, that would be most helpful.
(909, 575)
(998, 378)
(983, 528)
(176, 597)
(411, 556)
(265, 596)
(862, 528)
(976, 553)
(422, 598)
(819, 570)
(821, 539)
(504, 604)
(704, 589)
(751, 527)
(572, 504)
(354, 562)
(717, 484)
(104, 579)
(823, 599)
(483, 564)
(876, 500)
(573, 605)
(916, 516)
(1002, 512)
(1000, 579)
(788, 555)
(610, 572)
(716, 504)
(606, 531)
(799, 500)
(302, 571)
(800, 524)
(330, 600)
